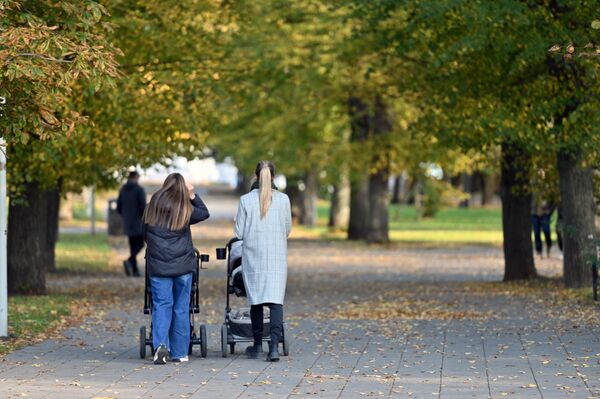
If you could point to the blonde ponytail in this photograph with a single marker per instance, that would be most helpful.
(265, 189)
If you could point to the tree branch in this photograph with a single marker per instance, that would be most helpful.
(40, 56)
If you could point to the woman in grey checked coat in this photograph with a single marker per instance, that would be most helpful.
(263, 222)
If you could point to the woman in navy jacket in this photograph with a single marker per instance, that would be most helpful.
(171, 261)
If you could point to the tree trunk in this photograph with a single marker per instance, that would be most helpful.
(397, 189)
(418, 196)
(516, 214)
(577, 200)
(467, 187)
(309, 199)
(358, 225)
(27, 243)
(379, 204)
(339, 212)
(379, 200)
(53, 204)
(295, 200)
(489, 184)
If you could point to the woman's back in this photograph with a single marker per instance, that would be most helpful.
(264, 257)
(170, 250)
(263, 223)
(277, 218)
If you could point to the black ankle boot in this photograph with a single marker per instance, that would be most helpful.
(254, 351)
(273, 355)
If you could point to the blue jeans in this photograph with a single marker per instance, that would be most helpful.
(170, 313)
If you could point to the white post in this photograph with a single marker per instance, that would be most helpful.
(3, 243)
(93, 209)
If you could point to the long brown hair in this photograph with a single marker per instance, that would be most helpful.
(265, 171)
(170, 206)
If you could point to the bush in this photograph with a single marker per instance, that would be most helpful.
(438, 193)
(432, 197)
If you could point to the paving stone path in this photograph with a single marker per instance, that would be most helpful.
(389, 322)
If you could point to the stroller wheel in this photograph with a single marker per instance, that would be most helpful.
(286, 342)
(224, 338)
(203, 341)
(143, 342)
(232, 348)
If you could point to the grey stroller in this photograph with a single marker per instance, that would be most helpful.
(237, 326)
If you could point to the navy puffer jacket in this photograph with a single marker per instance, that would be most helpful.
(171, 253)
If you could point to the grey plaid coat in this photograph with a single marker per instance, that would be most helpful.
(264, 250)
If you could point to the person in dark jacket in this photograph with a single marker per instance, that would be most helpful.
(541, 214)
(170, 263)
(130, 205)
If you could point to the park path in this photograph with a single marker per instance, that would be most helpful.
(389, 322)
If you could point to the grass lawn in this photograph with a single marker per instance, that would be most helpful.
(82, 253)
(451, 226)
(32, 318)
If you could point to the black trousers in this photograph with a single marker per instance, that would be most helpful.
(256, 317)
(541, 224)
(136, 243)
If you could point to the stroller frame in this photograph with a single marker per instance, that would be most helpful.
(229, 340)
(197, 337)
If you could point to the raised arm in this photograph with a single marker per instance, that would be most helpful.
(199, 210)
(240, 221)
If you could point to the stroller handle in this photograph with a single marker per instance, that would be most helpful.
(222, 252)
(233, 240)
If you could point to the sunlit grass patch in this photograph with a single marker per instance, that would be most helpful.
(450, 226)
(418, 236)
(448, 236)
(83, 253)
(36, 318)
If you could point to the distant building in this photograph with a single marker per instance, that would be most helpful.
(198, 172)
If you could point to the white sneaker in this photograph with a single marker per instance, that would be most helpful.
(181, 359)
(161, 355)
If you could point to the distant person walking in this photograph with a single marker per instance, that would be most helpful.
(541, 213)
(264, 222)
(171, 263)
(130, 205)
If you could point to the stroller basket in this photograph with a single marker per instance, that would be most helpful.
(241, 326)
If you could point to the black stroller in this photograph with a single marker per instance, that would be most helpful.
(197, 337)
(237, 326)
